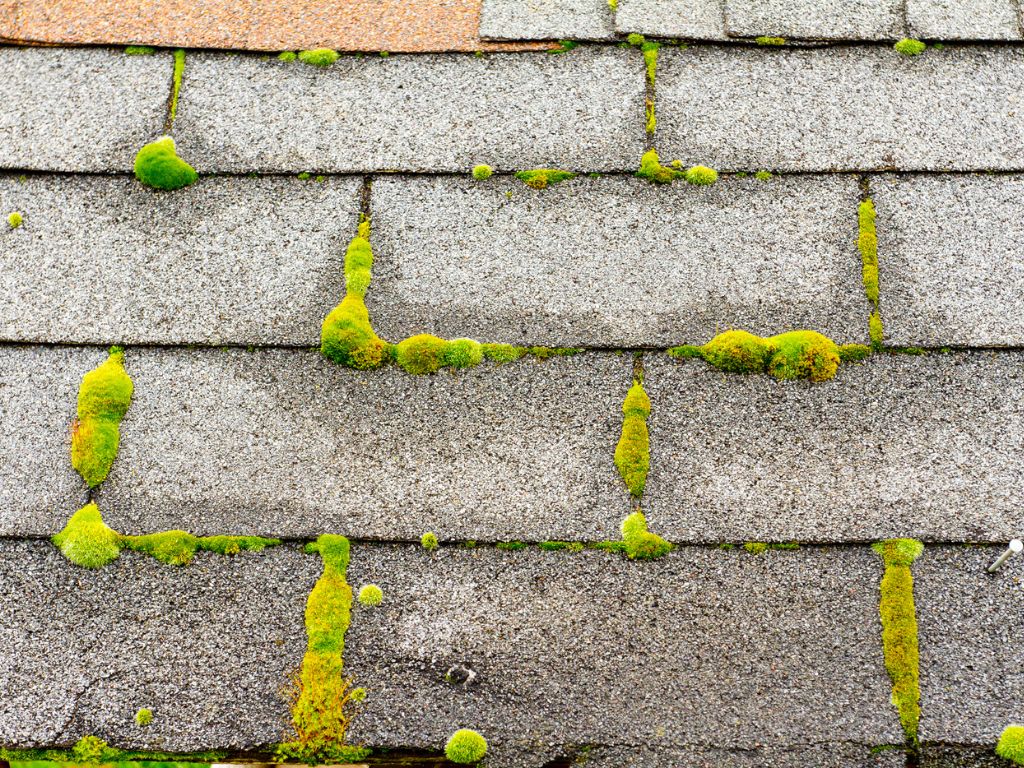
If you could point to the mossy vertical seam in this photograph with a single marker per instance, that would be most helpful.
(179, 71)
(633, 451)
(899, 631)
(867, 243)
(103, 399)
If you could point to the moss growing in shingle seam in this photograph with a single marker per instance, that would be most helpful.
(287, 56)
(564, 46)
(899, 630)
(318, 57)
(87, 541)
(652, 170)
(633, 452)
(542, 178)
(639, 543)
(1011, 744)
(324, 700)
(766, 40)
(103, 399)
(558, 546)
(59, 758)
(139, 50)
(867, 243)
(158, 166)
(179, 71)
(760, 547)
(429, 541)
(791, 355)
(482, 172)
(909, 47)
(14, 219)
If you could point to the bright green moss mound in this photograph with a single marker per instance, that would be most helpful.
(1011, 744)
(909, 47)
(429, 541)
(103, 399)
(371, 595)
(14, 219)
(652, 170)
(87, 541)
(701, 175)
(324, 699)
(542, 178)
(763, 175)
(899, 630)
(633, 452)
(639, 543)
(144, 717)
(482, 172)
(157, 165)
(420, 354)
(318, 57)
(465, 747)
(286, 56)
(139, 50)
(791, 355)
(559, 546)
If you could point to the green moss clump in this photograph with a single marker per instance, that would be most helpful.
(429, 541)
(179, 73)
(766, 40)
(854, 352)
(465, 747)
(318, 57)
(144, 717)
(463, 353)
(633, 452)
(876, 330)
(139, 50)
(322, 705)
(502, 353)
(87, 541)
(511, 546)
(14, 219)
(304, 176)
(899, 630)
(158, 166)
(103, 399)
(564, 46)
(371, 595)
(701, 175)
(635, 39)
(180, 547)
(652, 169)
(91, 749)
(790, 355)
(650, 52)
(1011, 744)
(763, 175)
(542, 178)
(641, 544)
(756, 547)
(287, 56)
(909, 47)
(482, 172)
(613, 4)
(559, 546)
(421, 354)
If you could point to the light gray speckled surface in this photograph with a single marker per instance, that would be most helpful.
(582, 110)
(546, 20)
(615, 261)
(79, 109)
(226, 261)
(964, 19)
(692, 19)
(816, 19)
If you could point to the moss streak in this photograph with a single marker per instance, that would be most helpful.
(867, 242)
(633, 452)
(179, 71)
(103, 399)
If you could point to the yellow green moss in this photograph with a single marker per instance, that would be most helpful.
(429, 541)
(14, 219)
(652, 120)
(639, 543)
(765, 40)
(867, 243)
(899, 630)
(144, 717)
(756, 547)
(179, 72)
(909, 47)
(371, 595)
(633, 452)
(158, 166)
(482, 172)
(760, 547)
(465, 747)
(318, 57)
(790, 355)
(139, 50)
(1011, 744)
(542, 178)
(287, 56)
(652, 170)
(103, 399)
(324, 700)
(701, 175)
(87, 541)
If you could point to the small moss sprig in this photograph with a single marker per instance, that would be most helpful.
(633, 451)
(899, 630)
(14, 219)
(179, 73)
(465, 747)
(792, 355)
(909, 47)
(769, 41)
(103, 399)
(158, 166)
(1011, 744)
(144, 717)
(429, 541)
(139, 50)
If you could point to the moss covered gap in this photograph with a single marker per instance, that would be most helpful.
(176, 77)
(867, 244)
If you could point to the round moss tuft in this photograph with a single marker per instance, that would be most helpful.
(635, 39)
(87, 541)
(763, 175)
(737, 352)
(482, 172)
(637, 401)
(1011, 744)
(909, 47)
(287, 56)
(318, 57)
(803, 355)
(463, 353)
(421, 354)
(144, 717)
(14, 220)
(428, 541)
(358, 694)
(157, 165)
(371, 595)
(702, 176)
(465, 747)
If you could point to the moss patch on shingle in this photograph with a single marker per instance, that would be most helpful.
(633, 451)
(638, 542)
(652, 170)
(103, 399)
(1011, 744)
(542, 178)
(158, 166)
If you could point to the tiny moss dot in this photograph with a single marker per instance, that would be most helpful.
(304, 176)
(428, 541)
(144, 717)
(14, 219)
(371, 595)
(763, 175)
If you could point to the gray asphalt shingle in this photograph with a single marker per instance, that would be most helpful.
(964, 19)
(692, 19)
(842, 108)
(828, 20)
(951, 267)
(414, 113)
(615, 261)
(229, 260)
(79, 109)
(546, 20)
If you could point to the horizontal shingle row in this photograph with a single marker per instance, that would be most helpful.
(849, 108)
(283, 443)
(723, 658)
(724, 19)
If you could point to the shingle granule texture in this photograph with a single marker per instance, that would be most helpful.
(226, 261)
(963, 19)
(842, 108)
(79, 110)
(546, 20)
(285, 443)
(929, 447)
(207, 647)
(722, 649)
(692, 19)
(816, 19)
(615, 261)
(951, 266)
(582, 110)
